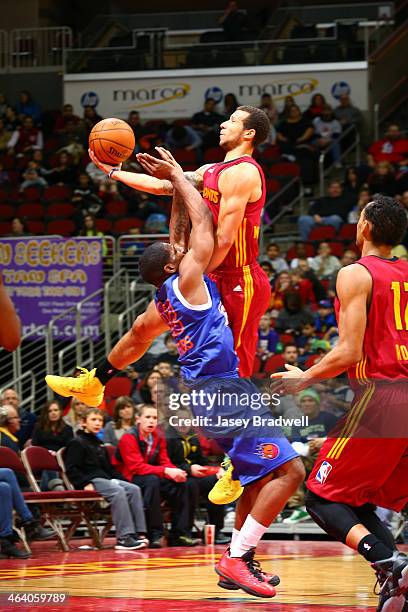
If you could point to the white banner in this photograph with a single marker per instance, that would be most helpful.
(181, 93)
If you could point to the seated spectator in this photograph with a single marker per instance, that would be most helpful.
(325, 319)
(288, 102)
(293, 316)
(19, 227)
(328, 210)
(156, 223)
(307, 441)
(325, 264)
(11, 121)
(134, 121)
(184, 451)
(300, 249)
(382, 180)
(123, 420)
(165, 368)
(85, 199)
(60, 126)
(282, 285)
(90, 119)
(267, 338)
(25, 139)
(353, 181)
(73, 418)
(274, 257)
(143, 459)
(52, 431)
(106, 187)
(269, 271)
(364, 198)
(348, 114)
(9, 427)
(32, 179)
(294, 137)
(4, 136)
(171, 354)
(303, 286)
(207, 123)
(72, 142)
(134, 377)
(306, 273)
(268, 106)
(89, 229)
(64, 173)
(230, 104)
(88, 467)
(327, 130)
(349, 257)
(393, 148)
(306, 337)
(27, 419)
(316, 107)
(183, 137)
(26, 107)
(288, 407)
(151, 381)
(233, 21)
(11, 499)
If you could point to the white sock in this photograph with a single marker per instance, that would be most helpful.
(248, 537)
(235, 534)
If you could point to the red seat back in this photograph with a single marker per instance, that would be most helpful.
(60, 210)
(65, 227)
(122, 226)
(31, 210)
(36, 227)
(347, 231)
(10, 459)
(322, 232)
(7, 211)
(115, 387)
(337, 248)
(40, 458)
(57, 192)
(284, 169)
(274, 363)
(117, 208)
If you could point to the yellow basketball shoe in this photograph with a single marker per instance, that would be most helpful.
(86, 387)
(225, 490)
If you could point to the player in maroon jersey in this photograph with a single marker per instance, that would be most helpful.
(235, 193)
(365, 462)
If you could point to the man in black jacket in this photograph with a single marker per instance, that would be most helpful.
(329, 210)
(184, 450)
(88, 467)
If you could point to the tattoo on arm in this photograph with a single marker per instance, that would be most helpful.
(194, 179)
(179, 222)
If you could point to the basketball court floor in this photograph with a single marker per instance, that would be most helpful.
(315, 576)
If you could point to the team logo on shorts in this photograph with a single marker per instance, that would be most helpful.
(267, 450)
(323, 472)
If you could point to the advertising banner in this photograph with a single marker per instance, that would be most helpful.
(46, 276)
(181, 93)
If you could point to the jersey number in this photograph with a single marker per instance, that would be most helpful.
(396, 289)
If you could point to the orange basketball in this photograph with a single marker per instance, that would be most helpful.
(112, 140)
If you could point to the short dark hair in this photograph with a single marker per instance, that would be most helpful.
(141, 408)
(152, 262)
(388, 219)
(90, 411)
(290, 345)
(257, 120)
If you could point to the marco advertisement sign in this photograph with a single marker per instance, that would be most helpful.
(180, 93)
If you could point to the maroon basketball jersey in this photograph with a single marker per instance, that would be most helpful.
(245, 249)
(385, 347)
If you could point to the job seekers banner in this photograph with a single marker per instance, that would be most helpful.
(181, 93)
(47, 276)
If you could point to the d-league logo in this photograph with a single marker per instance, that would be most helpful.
(323, 472)
(267, 450)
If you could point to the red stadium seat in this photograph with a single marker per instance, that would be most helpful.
(5, 228)
(268, 154)
(65, 227)
(257, 366)
(115, 387)
(117, 208)
(310, 251)
(3, 195)
(103, 225)
(57, 192)
(322, 232)
(286, 338)
(272, 186)
(347, 231)
(274, 363)
(31, 194)
(215, 154)
(36, 227)
(60, 209)
(337, 248)
(184, 155)
(31, 210)
(7, 211)
(284, 169)
(121, 226)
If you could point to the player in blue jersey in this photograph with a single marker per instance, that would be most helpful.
(188, 303)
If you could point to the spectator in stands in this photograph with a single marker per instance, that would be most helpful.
(4, 136)
(19, 227)
(11, 120)
(363, 198)
(90, 119)
(327, 130)
(325, 264)
(25, 139)
(52, 431)
(348, 114)
(274, 257)
(32, 179)
(233, 21)
(134, 122)
(294, 136)
(308, 440)
(73, 418)
(145, 462)
(183, 137)
(71, 141)
(269, 271)
(26, 107)
(123, 420)
(184, 451)
(281, 286)
(9, 427)
(306, 271)
(316, 107)
(27, 418)
(348, 258)
(151, 380)
(290, 354)
(288, 102)
(301, 253)
(60, 126)
(85, 199)
(207, 123)
(303, 285)
(293, 315)
(328, 210)
(89, 229)
(393, 148)
(171, 354)
(64, 173)
(230, 104)
(156, 223)
(307, 335)
(134, 378)
(268, 106)
(382, 180)
(165, 368)
(267, 338)
(88, 467)
(325, 318)
(353, 181)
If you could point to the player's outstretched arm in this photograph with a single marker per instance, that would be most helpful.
(134, 344)
(10, 326)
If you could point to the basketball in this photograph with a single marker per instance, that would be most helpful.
(112, 140)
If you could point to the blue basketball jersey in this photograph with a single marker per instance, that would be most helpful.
(204, 339)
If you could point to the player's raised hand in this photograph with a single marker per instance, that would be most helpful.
(167, 156)
(289, 382)
(106, 168)
(163, 168)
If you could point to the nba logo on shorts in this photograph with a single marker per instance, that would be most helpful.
(323, 472)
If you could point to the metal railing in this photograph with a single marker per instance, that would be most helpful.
(38, 49)
(267, 220)
(127, 317)
(355, 145)
(130, 248)
(396, 96)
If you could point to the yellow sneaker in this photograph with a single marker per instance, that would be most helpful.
(225, 489)
(86, 387)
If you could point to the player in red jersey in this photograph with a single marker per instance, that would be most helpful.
(234, 190)
(365, 462)
(10, 325)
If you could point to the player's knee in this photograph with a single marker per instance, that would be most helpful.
(297, 472)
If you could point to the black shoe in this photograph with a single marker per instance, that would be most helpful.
(130, 543)
(156, 543)
(221, 538)
(392, 576)
(35, 531)
(9, 550)
(183, 540)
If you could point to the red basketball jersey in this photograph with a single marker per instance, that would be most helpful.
(245, 248)
(385, 347)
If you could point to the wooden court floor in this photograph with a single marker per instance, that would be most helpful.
(315, 576)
